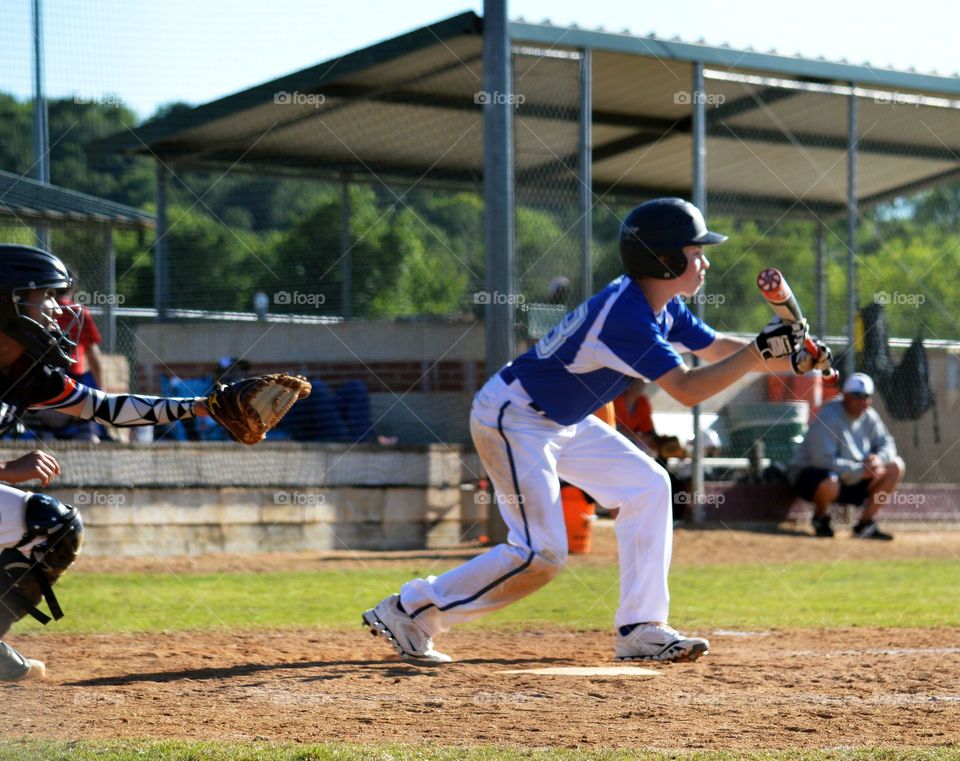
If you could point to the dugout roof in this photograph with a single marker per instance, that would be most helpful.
(25, 199)
(777, 125)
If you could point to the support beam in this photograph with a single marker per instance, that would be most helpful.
(586, 174)
(41, 128)
(498, 186)
(161, 265)
(346, 257)
(820, 279)
(850, 358)
(110, 307)
(751, 102)
(699, 122)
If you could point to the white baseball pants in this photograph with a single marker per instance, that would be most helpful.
(13, 523)
(526, 454)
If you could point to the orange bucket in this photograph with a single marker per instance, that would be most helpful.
(579, 514)
(796, 388)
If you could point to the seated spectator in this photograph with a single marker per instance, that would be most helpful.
(847, 457)
(327, 415)
(230, 369)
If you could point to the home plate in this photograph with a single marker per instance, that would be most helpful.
(631, 671)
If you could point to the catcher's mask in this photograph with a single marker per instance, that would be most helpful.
(653, 235)
(29, 277)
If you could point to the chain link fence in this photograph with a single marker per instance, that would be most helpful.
(369, 269)
(902, 255)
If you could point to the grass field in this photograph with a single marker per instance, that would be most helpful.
(917, 593)
(820, 596)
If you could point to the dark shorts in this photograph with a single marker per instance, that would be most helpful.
(810, 478)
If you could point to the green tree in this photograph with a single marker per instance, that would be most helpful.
(213, 266)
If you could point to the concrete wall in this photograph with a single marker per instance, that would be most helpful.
(178, 499)
(422, 376)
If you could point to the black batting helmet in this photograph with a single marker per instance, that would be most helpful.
(24, 268)
(653, 235)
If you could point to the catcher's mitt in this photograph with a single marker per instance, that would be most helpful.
(250, 407)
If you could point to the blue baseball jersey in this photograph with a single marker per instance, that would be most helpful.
(599, 348)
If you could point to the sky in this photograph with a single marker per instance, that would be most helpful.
(151, 53)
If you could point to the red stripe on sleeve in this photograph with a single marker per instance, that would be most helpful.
(69, 386)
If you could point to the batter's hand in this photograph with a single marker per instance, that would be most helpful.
(804, 362)
(37, 464)
(780, 339)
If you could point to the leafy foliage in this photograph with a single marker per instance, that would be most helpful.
(415, 252)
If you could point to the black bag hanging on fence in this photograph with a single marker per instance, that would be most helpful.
(908, 392)
(875, 360)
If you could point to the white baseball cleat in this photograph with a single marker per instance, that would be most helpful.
(35, 670)
(658, 642)
(411, 642)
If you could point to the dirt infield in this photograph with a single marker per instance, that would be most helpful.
(756, 690)
(760, 690)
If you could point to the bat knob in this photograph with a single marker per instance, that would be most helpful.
(769, 280)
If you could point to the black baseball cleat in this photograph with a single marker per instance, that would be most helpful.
(870, 530)
(821, 526)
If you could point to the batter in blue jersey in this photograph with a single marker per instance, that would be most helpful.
(531, 425)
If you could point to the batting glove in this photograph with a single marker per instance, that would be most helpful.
(780, 339)
(804, 361)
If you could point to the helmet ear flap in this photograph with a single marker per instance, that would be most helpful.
(661, 264)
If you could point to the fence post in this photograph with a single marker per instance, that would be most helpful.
(498, 188)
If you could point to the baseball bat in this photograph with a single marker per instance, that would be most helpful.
(776, 290)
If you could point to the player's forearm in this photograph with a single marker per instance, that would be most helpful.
(126, 410)
(725, 345)
(721, 348)
(691, 387)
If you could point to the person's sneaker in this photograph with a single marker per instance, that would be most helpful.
(658, 642)
(870, 530)
(821, 525)
(388, 620)
(14, 667)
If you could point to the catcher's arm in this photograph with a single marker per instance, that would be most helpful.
(121, 410)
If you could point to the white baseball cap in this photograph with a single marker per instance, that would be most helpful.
(858, 383)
